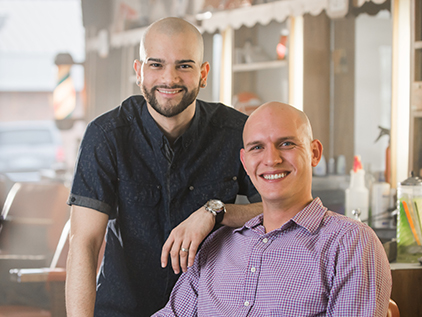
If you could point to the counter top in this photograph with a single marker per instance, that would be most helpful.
(405, 266)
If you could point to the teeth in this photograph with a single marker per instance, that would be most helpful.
(169, 92)
(275, 176)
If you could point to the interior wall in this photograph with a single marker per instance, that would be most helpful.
(373, 88)
(103, 78)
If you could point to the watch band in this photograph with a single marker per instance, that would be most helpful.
(217, 208)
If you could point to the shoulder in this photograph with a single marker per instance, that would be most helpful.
(222, 116)
(122, 116)
(348, 230)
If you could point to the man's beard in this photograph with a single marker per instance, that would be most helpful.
(171, 111)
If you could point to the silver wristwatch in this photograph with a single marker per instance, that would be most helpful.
(217, 208)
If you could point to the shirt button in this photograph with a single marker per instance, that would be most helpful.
(191, 188)
(246, 303)
(253, 269)
(234, 178)
(265, 240)
(72, 199)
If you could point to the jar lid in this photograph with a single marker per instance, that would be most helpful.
(412, 181)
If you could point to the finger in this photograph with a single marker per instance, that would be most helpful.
(174, 254)
(184, 253)
(193, 249)
(165, 251)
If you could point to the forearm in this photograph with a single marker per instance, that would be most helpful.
(237, 215)
(87, 229)
(80, 281)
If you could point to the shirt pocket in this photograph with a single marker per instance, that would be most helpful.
(224, 189)
(138, 194)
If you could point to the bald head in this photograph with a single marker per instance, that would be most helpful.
(170, 27)
(283, 114)
(278, 156)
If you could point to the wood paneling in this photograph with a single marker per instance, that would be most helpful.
(344, 88)
(407, 291)
(316, 81)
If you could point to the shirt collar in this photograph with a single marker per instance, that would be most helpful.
(309, 217)
(156, 135)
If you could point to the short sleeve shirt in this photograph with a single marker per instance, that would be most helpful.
(127, 169)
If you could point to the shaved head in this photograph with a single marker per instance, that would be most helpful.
(280, 110)
(171, 27)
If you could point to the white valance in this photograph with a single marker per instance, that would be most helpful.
(278, 11)
(359, 3)
(262, 13)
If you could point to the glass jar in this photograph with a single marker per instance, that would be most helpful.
(409, 220)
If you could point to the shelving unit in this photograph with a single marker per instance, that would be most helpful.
(248, 67)
(267, 79)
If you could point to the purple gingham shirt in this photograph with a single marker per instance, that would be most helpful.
(319, 263)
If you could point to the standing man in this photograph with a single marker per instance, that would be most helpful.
(162, 166)
(297, 258)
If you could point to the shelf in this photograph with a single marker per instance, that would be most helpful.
(247, 67)
(417, 114)
(417, 45)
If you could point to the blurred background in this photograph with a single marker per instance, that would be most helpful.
(354, 66)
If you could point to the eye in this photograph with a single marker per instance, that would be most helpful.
(155, 65)
(185, 66)
(287, 145)
(255, 148)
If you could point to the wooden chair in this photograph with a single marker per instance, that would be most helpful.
(393, 309)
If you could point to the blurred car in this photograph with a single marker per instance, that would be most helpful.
(30, 146)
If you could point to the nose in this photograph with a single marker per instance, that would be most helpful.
(272, 156)
(170, 76)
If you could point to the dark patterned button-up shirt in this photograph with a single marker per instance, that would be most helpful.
(127, 169)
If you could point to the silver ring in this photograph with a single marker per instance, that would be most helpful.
(184, 250)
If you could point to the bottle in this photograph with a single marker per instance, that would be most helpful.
(380, 203)
(357, 195)
(282, 46)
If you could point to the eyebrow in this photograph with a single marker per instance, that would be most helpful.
(253, 143)
(279, 140)
(159, 60)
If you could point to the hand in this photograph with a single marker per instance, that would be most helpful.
(188, 235)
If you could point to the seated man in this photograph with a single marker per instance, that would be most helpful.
(295, 259)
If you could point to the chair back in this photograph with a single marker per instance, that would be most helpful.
(33, 216)
(393, 309)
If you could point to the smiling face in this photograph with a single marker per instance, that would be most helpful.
(171, 71)
(279, 154)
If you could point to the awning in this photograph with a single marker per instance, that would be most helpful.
(262, 13)
(359, 3)
(277, 11)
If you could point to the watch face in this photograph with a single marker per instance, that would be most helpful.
(215, 204)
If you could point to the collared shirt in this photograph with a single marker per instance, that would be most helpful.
(317, 264)
(127, 169)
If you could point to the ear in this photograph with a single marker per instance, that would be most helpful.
(205, 69)
(242, 159)
(316, 150)
(137, 65)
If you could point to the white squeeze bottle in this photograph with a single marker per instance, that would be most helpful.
(357, 195)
